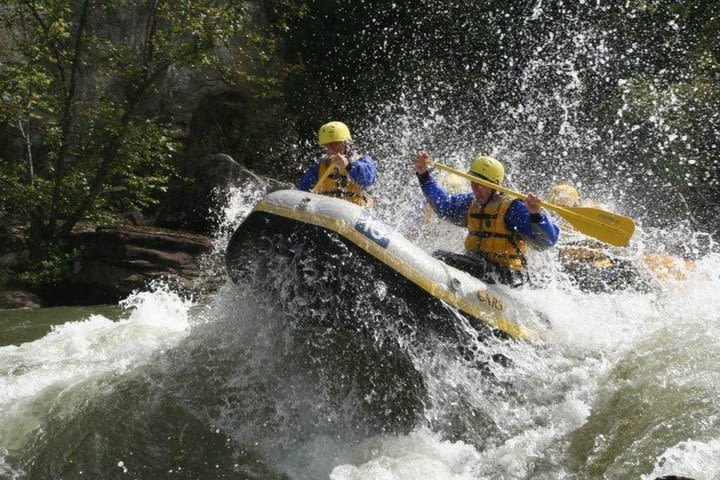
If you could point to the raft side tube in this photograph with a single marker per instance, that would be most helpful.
(290, 209)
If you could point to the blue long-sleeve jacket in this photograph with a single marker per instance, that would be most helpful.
(361, 170)
(539, 231)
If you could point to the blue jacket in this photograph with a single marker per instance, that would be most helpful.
(539, 231)
(361, 170)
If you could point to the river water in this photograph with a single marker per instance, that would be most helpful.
(165, 387)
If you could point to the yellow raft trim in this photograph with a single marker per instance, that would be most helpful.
(437, 290)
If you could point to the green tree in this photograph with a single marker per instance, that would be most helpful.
(88, 86)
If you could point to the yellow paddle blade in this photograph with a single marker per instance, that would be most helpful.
(606, 226)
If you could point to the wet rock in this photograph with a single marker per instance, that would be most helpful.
(115, 261)
(191, 204)
(19, 299)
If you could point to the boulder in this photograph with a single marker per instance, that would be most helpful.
(12, 298)
(192, 205)
(115, 261)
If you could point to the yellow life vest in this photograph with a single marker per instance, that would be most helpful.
(667, 267)
(582, 251)
(488, 234)
(338, 184)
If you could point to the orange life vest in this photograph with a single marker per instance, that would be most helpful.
(488, 234)
(339, 184)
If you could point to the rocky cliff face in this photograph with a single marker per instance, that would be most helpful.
(191, 205)
(115, 261)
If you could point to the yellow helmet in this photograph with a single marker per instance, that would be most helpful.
(333, 132)
(564, 195)
(488, 168)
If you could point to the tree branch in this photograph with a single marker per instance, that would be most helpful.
(29, 174)
(150, 30)
(66, 120)
(51, 44)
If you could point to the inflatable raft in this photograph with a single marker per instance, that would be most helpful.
(339, 264)
(592, 267)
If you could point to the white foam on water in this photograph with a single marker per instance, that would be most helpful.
(694, 459)
(557, 385)
(39, 379)
(238, 205)
(421, 454)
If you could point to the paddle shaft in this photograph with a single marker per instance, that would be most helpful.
(486, 183)
(325, 175)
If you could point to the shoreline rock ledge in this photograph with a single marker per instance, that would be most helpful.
(116, 260)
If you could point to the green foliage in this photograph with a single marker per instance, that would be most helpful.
(22, 86)
(94, 102)
(15, 196)
(55, 264)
